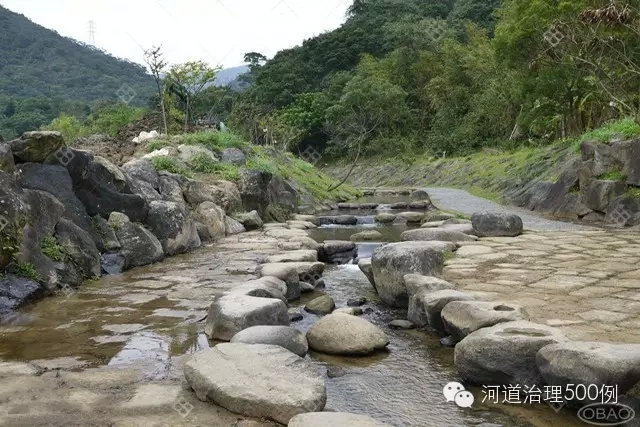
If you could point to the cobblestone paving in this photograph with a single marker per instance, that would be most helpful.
(586, 283)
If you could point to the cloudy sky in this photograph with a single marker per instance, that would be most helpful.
(217, 31)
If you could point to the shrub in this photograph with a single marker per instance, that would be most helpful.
(52, 249)
(169, 164)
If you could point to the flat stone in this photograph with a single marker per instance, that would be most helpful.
(461, 318)
(401, 324)
(257, 380)
(334, 419)
(352, 311)
(11, 369)
(303, 255)
(154, 395)
(437, 234)
(283, 336)
(124, 329)
(563, 282)
(603, 316)
(425, 308)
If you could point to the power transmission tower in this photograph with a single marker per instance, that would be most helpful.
(92, 32)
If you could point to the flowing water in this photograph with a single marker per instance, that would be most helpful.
(150, 316)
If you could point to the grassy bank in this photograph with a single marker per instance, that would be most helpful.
(311, 183)
(488, 173)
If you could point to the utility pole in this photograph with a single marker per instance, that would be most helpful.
(92, 32)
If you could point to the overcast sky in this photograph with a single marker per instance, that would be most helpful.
(217, 31)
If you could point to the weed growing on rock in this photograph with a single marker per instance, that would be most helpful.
(169, 164)
(52, 249)
(27, 270)
(613, 176)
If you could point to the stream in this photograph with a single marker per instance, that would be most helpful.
(149, 317)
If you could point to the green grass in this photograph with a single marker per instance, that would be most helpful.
(205, 164)
(633, 192)
(264, 164)
(52, 249)
(215, 141)
(625, 128)
(157, 144)
(169, 164)
(613, 176)
(27, 270)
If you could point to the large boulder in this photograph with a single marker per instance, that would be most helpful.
(223, 193)
(599, 194)
(283, 336)
(460, 318)
(79, 247)
(234, 156)
(345, 220)
(425, 307)
(391, 262)
(213, 217)
(496, 224)
(504, 353)
(169, 188)
(337, 251)
(269, 195)
(333, 419)
(411, 217)
(7, 164)
(172, 225)
(55, 179)
(250, 220)
(627, 154)
(257, 380)
(139, 245)
(142, 170)
(438, 234)
(364, 264)
(37, 146)
(109, 173)
(340, 333)
(598, 363)
(17, 291)
(234, 312)
(189, 154)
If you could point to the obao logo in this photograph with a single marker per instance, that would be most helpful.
(606, 414)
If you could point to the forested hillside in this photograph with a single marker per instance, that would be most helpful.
(449, 77)
(43, 74)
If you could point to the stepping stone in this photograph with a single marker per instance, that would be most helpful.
(321, 305)
(283, 336)
(257, 380)
(344, 334)
(384, 218)
(460, 318)
(496, 224)
(437, 234)
(425, 307)
(302, 255)
(232, 313)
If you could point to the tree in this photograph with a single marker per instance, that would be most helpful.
(154, 59)
(255, 60)
(191, 78)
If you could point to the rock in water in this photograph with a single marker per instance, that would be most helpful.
(257, 380)
(392, 261)
(232, 313)
(504, 353)
(460, 318)
(385, 218)
(439, 234)
(367, 236)
(588, 363)
(344, 334)
(425, 307)
(283, 336)
(496, 224)
(364, 264)
(334, 419)
(321, 305)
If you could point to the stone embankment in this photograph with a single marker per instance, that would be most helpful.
(67, 215)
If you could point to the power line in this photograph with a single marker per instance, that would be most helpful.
(92, 32)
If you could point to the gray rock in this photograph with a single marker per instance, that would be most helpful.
(203, 232)
(17, 291)
(234, 312)
(170, 189)
(401, 324)
(112, 263)
(461, 228)
(367, 236)
(368, 206)
(306, 287)
(142, 170)
(7, 163)
(212, 216)
(589, 363)
(421, 204)
(351, 311)
(337, 251)
(256, 380)
(232, 226)
(234, 156)
(411, 217)
(385, 218)
(301, 225)
(79, 247)
(333, 419)
(460, 318)
(599, 194)
(356, 302)
(139, 245)
(267, 194)
(190, 153)
(283, 336)
(301, 255)
(344, 334)
(347, 206)
(627, 153)
(364, 264)
(438, 234)
(250, 220)
(496, 224)
(308, 218)
(171, 224)
(346, 220)
(287, 272)
(438, 216)
(321, 305)
(425, 308)
(420, 195)
(108, 238)
(37, 146)
(416, 283)
(392, 261)
(399, 205)
(504, 353)
(108, 173)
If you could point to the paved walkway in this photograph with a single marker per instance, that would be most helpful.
(587, 283)
(462, 201)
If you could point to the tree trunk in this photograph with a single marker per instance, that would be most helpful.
(353, 166)
(186, 116)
